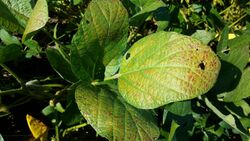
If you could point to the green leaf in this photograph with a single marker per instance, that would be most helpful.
(9, 53)
(204, 36)
(60, 64)
(223, 43)
(228, 118)
(34, 48)
(113, 118)
(146, 8)
(113, 66)
(238, 47)
(242, 90)
(38, 19)
(166, 67)
(181, 108)
(173, 128)
(101, 36)
(7, 39)
(14, 15)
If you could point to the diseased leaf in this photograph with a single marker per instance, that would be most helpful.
(113, 118)
(166, 67)
(14, 14)
(60, 64)
(102, 35)
(242, 90)
(37, 20)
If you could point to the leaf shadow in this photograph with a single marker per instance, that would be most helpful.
(228, 79)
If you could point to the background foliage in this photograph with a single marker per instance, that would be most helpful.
(60, 60)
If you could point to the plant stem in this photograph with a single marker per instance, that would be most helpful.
(73, 128)
(106, 79)
(237, 20)
(57, 133)
(12, 91)
(19, 80)
(53, 85)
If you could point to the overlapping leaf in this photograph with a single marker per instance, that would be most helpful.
(146, 7)
(102, 35)
(38, 18)
(14, 14)
(113, 118)
(166, 67)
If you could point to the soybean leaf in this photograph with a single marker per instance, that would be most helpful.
(204, 36)
(60, 64)
(242, 90)
(9, 53)
(146, 7)
(14, 14)
(37, 20)
(7, 39)
(101, 36)
(113, 66)
(166, 67)
(33, 48)
(181, 108)
(113, 118)
(226, 117)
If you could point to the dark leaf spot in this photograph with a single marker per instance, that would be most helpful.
(127, 56)
(202, 66)
(87, 22)
(197, 49)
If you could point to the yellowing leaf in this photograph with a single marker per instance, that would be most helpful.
(38, 129)
(38, 18)
(166, 67)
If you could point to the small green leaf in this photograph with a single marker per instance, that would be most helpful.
(34, 48)
(7, 39)
(37, 20)
(181, 108)
(166, 67)
(173, 128)
(60, 64)
(113, 118)
(146, 8)
(204, 36)
(242, 90)
(113, 66)
(101, 36)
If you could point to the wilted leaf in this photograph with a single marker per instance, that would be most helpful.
(102, 35)
(38, 18)
(38, 129)
(166, 67)
(114, 119)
